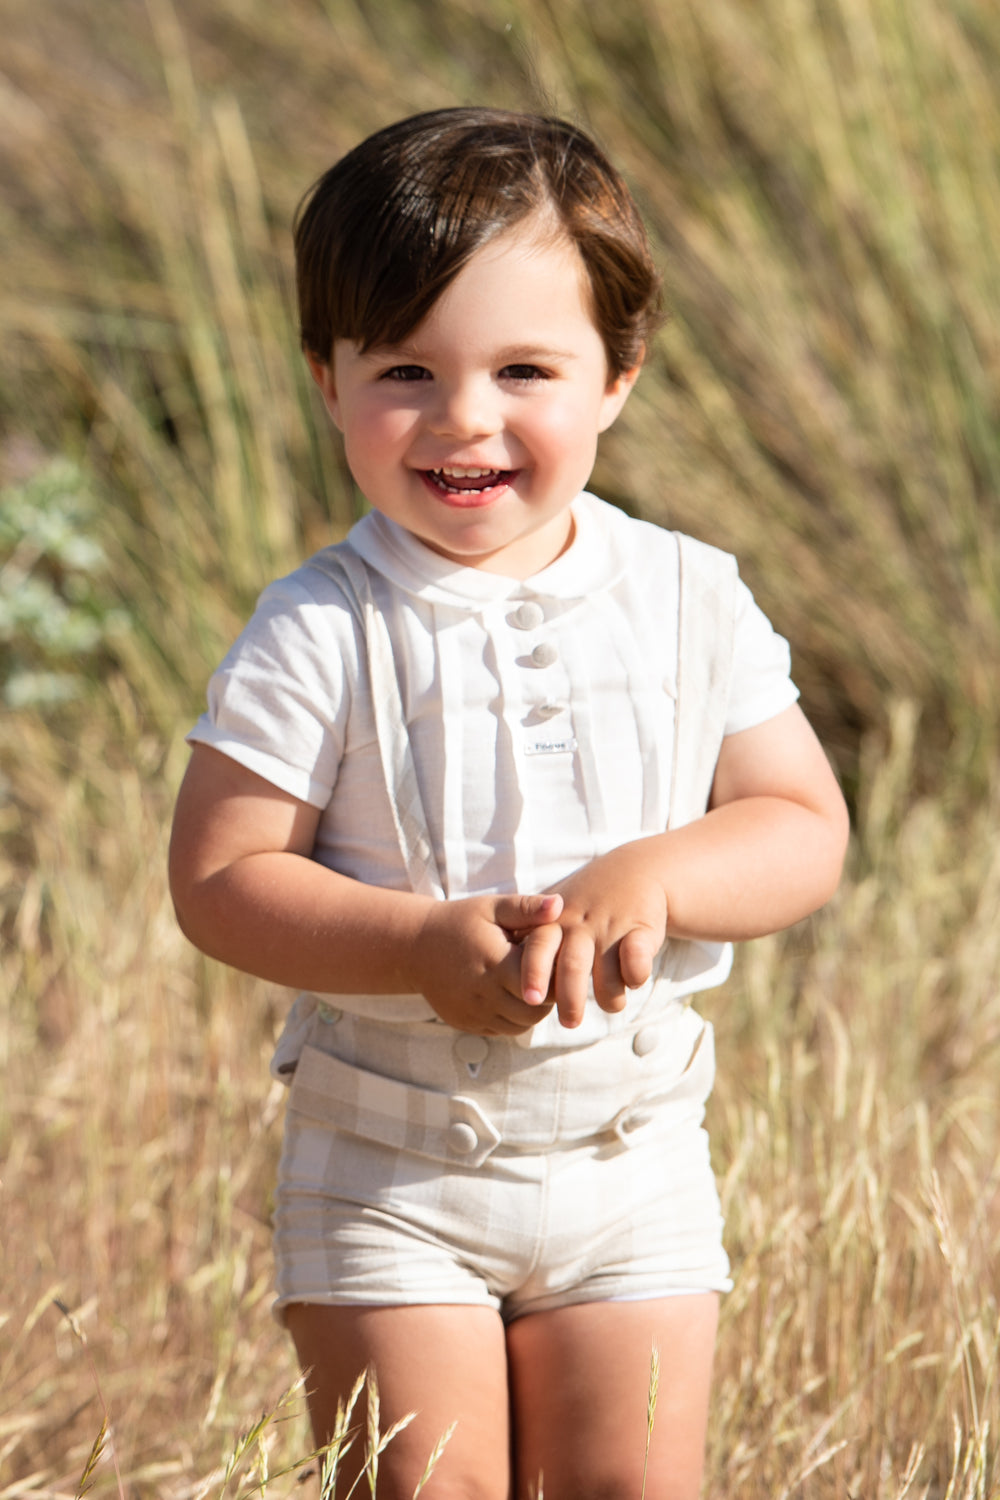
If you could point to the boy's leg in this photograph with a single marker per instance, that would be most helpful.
(447, 1363)
(579, 1379)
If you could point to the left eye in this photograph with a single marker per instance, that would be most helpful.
(523, 373)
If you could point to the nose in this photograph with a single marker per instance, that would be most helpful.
(465, 409)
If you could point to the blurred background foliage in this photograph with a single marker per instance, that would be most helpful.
(821, 181)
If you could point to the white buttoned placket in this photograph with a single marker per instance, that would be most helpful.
(511, 626)
(542, 701)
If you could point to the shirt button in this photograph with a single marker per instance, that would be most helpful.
(328, 1013)
(645, 1041)
(471, 1049)
(462, 1139)
(527, 616)
(544, 654)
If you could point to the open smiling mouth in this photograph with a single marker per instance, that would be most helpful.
(471, 482)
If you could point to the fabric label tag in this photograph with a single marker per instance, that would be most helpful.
(564, 746)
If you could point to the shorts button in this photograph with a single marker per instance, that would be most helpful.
(527, 616)
(645, 1041)
(544, 654)
(328, 1014)
(471, 1049)
(462, 1139)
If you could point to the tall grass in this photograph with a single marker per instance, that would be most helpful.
(821, 183)
(862, 1172)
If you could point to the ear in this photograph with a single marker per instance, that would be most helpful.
(322, 372)
(615, 397)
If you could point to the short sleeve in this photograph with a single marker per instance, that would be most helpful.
(278, 703)
(762, 686)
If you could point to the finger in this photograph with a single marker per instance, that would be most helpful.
(538, 956)
(574, 966)
(636, 952)
(520, 913)
(512, 1017)
(609, 985)
(507, 973)
(507, 976)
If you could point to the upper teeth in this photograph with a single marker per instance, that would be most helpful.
(456, 473)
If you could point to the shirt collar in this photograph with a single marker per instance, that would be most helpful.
(591, 562)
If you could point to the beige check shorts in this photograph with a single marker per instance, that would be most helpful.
(425, 1165)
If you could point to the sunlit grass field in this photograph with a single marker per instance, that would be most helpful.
(821, 180)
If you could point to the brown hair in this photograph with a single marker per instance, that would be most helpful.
(385, 230)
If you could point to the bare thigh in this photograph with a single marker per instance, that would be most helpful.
(579, 1380)
(446, 1363)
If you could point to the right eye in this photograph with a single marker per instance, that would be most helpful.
(406, 372)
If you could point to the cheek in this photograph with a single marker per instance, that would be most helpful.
(375, 435)
(568, 431)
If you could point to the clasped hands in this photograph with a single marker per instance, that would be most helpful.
(496, 965)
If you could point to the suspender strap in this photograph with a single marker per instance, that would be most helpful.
(706, 629)
(390, 730)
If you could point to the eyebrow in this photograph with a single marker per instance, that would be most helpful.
(526, 354)
(515, 354)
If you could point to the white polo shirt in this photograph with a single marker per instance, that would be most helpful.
(540, 713)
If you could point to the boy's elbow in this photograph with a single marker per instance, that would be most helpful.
(187, 895)
(836, 838)
(182, 915)
(185, 908)
(197, 920)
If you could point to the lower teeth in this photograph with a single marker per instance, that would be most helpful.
(486, 483)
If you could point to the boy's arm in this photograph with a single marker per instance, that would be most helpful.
(768, 852)
(247, 892)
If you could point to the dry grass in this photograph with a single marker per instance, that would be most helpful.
(855, 1128)
(821, 181)
(862, 1175)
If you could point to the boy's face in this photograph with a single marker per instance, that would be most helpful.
(478, 431)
